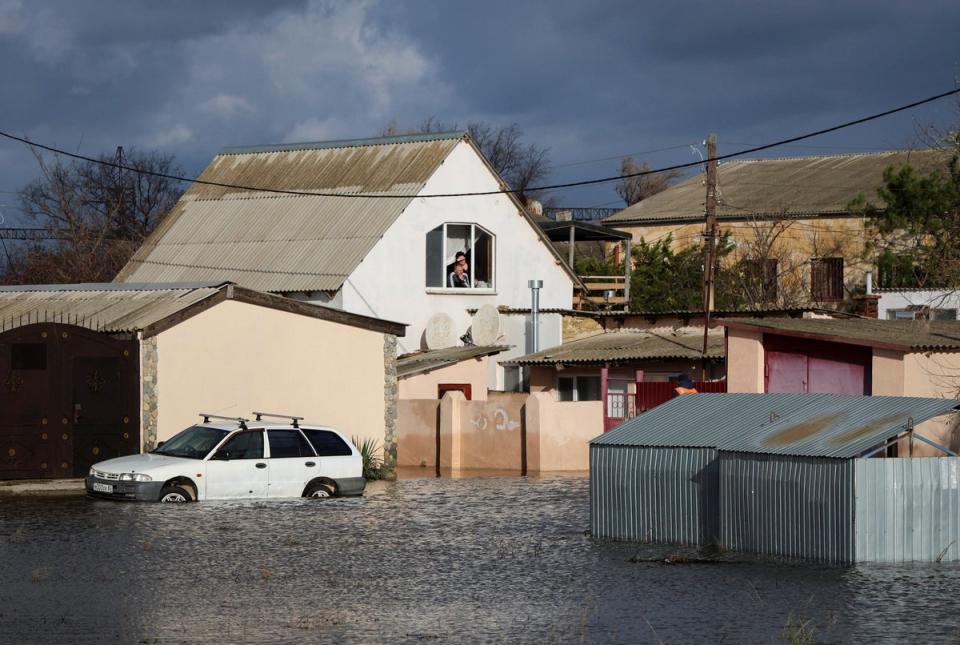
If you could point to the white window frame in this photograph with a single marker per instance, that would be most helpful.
(492, 289)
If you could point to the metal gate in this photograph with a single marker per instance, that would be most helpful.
(621, 405)
(68, 398)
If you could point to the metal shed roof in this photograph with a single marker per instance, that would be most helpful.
(627, 345)
(817, 185)
(418, 362)
(811, 425)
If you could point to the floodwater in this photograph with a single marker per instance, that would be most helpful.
(494, 559)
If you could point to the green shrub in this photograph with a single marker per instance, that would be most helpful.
(372, 461)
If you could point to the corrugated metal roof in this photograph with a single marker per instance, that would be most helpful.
(627, 345)
(776, 187)
(418, 362)
(108, 307)
(275, 242)
(905, 335)
(811, 425)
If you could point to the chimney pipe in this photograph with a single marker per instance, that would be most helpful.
(535, 286)
(869, 283)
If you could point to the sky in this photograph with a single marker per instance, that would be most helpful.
(591, 81)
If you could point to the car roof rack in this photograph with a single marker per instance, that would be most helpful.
(294, 420)
(207, 416)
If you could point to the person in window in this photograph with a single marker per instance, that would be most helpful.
(459, 278)
(684, 386)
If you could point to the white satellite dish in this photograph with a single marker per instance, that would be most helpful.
(439, 333)
(485, 327)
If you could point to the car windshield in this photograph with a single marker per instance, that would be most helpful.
(193, 443)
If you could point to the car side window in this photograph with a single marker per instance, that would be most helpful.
(245, 445)
(328, 444)
(288, 443)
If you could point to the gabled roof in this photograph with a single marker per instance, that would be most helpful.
(276, 242)
(280, 242)
(898, 335)
(112, 307)
(628, 346)
(419, 362)
(812, 425)
(792, 187)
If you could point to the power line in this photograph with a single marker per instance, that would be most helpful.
(629, 154)
(586, 182)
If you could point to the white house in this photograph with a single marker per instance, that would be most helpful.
(365, 226)
(909, 304)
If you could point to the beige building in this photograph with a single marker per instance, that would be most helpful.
(789, 220)
(849, 356)
(94, 371)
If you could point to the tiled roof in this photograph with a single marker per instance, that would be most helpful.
(628, 346)
(801, 186)
(903, 335)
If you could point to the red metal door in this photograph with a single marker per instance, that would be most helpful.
(786, 372)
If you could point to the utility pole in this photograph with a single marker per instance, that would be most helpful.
(710, 236)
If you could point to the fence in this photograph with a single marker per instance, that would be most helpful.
(626, 405)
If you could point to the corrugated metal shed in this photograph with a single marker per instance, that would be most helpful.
(275, 242)
(788, 506)
(419, 362)
(902, 335)
(622, 346)
(799, 186)
(107, 307)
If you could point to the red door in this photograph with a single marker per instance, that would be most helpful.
(801, 365)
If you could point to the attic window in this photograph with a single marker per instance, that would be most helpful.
(447, 270)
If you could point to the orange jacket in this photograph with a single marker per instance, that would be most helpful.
(685, 390)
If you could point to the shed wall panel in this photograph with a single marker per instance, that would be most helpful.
(667, 495)
(907, 509)
(790, 507)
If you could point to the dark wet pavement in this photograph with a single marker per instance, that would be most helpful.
(500, 559)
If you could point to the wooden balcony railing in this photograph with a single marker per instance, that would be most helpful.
(602, 291)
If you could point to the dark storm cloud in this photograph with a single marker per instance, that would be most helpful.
(590, 80)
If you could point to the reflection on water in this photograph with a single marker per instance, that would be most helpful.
(439, 560)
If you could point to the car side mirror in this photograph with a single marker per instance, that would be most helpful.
(222, 455)
(160, 443)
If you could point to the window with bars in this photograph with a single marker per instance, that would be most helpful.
(826, 279)
(761, 276)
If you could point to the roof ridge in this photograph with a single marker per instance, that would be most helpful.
(842, 155)
(343, 143)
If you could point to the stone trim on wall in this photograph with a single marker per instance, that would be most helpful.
(148, 393)
(390, 396)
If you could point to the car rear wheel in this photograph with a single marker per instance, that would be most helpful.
(319, 491)
(175, 495)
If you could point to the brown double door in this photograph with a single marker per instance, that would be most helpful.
(68, 398)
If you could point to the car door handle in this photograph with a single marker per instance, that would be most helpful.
(261, 465)
(311, 464)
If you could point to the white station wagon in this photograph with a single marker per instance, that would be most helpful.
(235, 459)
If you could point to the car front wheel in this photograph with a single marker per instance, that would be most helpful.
(319, 491)
(174, 495)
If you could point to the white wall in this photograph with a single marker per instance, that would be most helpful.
(391, 281)
(516, 327)
(933, 298)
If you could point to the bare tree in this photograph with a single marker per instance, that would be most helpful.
(636, 189)
(522, 166)
(95, 214)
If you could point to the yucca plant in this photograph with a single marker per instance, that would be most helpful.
(372, 461)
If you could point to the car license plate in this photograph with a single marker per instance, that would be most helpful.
(102, 488)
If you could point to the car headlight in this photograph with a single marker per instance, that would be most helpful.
(92, 472)
(135, 477)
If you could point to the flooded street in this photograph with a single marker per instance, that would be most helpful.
(497, 559)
